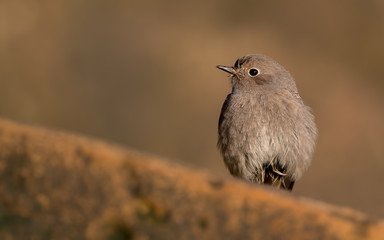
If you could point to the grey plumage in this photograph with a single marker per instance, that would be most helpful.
(266, 133)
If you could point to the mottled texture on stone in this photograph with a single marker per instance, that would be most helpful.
(54, 185)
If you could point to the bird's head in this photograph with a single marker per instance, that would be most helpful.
(255, 72)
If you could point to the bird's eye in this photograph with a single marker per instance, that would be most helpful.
(253, 72)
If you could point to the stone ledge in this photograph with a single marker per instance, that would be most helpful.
(55, 185)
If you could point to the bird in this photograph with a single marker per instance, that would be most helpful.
(267, 134)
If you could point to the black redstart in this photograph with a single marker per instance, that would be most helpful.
(266, 133)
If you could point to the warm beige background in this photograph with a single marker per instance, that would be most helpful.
(142, 74)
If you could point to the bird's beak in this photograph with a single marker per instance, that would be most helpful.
(230, 70)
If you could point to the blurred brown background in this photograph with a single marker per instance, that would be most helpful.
(142, 74)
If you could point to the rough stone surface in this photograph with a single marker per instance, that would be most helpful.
(54, 185)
